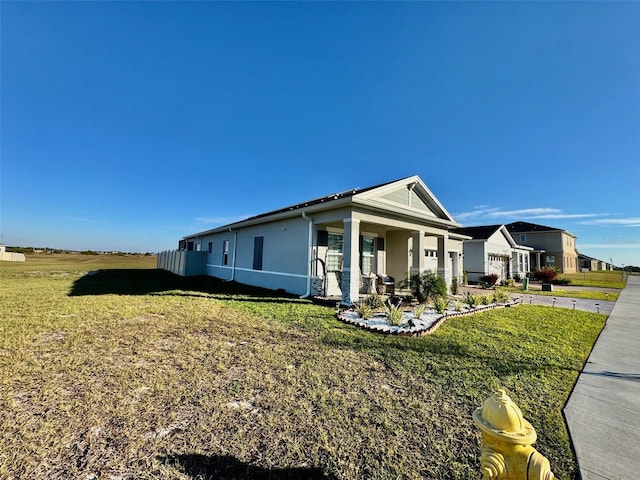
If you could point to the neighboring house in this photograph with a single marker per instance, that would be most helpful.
(394, 229)
(588, 263)
(552, 247)
(593, 264)
(492, 249)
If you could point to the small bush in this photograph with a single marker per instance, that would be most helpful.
(562, 281)
(471, 299)
(440, 304)
(517, 278)
(500, 296)
(363, 309)
(545, 274)
(486, 299)
(489, 280)
(457, 306)
(394, 314)
(427, 286)
(419, 310)
(375, 301)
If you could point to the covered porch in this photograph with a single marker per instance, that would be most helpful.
(353, 255)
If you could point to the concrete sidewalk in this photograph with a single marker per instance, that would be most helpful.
(603, 411)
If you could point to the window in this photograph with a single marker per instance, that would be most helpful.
(368, 255)
(258, 244)
(334, 251)
(523, 237)
(210, 247)
(225, 252)
(551, 261)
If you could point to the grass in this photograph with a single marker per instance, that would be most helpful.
(603, 279)
(559, 292)
(135, 373)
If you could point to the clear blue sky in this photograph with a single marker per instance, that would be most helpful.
(127, 125)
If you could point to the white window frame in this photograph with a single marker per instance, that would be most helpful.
(370, 256)
(335, 251)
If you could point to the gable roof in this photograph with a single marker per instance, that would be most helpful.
(484, 232)
(480, 232)
(526, 227)
(379, 196)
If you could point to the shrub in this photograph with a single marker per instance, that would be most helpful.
(363, 309)
(454, 286)
(545, 274)
(489, 280)
(375, 301)
(562, 281)
(419, 310)
(407, 299)
(500, 296)
(517, 277)
(471, 299)
(394, 314)
(457, 306)
(440, 304)
(486, 299)
(427, 286)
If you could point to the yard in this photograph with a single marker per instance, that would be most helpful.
(133, 373)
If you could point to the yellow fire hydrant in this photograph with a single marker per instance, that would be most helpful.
(506, 452)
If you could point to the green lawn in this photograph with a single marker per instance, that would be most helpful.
(558, 291)
(605, 279)
(135, 373)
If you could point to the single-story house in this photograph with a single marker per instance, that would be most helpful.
(332, 245)
(492, 250)
(593, 264)
(587, 262)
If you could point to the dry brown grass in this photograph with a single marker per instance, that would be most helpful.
(186, 384)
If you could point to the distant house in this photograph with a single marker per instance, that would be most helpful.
(332, 245)
(492, 250)
(592, 264)
(552, 247)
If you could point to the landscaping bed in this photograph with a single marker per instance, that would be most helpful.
(426, 324)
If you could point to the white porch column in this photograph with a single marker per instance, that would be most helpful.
(417, 253)
(351, 261)
(444, 270)
(456, 265)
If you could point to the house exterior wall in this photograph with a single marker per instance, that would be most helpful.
(284, 255)
(398, 260)
(557, 244)
(474, 259)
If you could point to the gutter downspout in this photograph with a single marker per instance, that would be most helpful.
(309, 254)
(233, 256)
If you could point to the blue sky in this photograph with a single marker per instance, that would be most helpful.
(126, 125)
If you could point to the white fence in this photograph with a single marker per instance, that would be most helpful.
(12, 256)
(182, 262)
